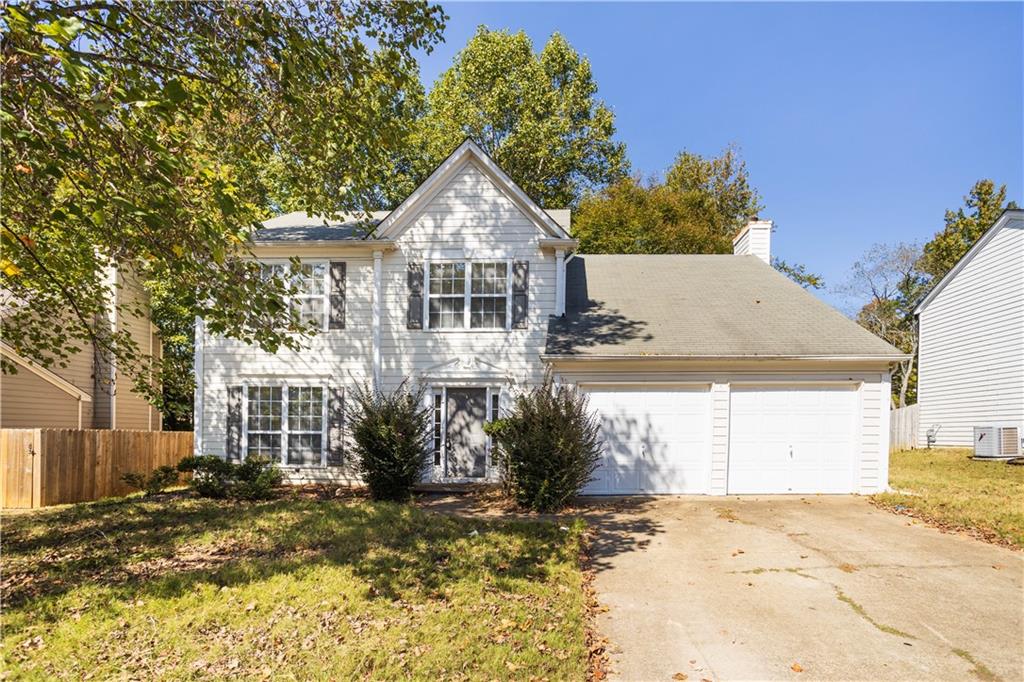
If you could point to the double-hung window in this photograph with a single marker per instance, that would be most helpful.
(447, 296)
(468, 295)
(286, 424)
(308, 282)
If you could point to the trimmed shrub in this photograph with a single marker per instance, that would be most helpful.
(159, 479)
(253, 479)
(548, 446)
(390, 432)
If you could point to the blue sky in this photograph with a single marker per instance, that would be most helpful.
(860, 123)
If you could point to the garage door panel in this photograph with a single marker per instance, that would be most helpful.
(792, 439)
(655, 440)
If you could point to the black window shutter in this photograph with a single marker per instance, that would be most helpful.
(335, 426)
(338, 272)
(520, 287)
(414, 320)
(233, 445)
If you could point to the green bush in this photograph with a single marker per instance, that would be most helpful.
(390, 432)
(547, 448)
(212, 476)
(255, 479)
(156, 482)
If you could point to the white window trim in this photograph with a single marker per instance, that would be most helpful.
(325, 323)
(284, 385)
(467, 296)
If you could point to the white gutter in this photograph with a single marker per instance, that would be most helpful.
(837, 358)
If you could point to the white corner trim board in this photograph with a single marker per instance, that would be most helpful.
(378, 293)
(199, 368)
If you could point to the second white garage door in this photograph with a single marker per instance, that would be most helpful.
(792, 440)
(656, 440)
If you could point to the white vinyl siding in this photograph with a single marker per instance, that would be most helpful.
(336, 357)
(971, 369)
(469, 220)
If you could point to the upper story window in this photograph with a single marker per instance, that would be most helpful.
(465, 295)
(310, 296)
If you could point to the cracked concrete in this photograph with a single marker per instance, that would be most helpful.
(744, 588)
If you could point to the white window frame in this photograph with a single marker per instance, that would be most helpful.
(467, 295)
(326, 296)
(284, 386)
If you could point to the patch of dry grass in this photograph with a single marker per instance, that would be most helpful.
(946, 487)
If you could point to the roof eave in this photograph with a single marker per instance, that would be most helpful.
(819, 358)
(556, 243)
(353, 243)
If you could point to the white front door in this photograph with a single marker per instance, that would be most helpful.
(656, 440)
(792, 440)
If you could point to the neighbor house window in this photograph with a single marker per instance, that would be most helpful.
(286, 424)
(468, 295)
(309, 284)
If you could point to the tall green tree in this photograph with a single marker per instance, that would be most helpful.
(698, 208)
(982, 207)
(536, 114)
(140, 134)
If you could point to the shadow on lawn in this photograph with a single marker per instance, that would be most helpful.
(166, 547)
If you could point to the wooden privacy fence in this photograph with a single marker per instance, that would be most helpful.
(41, 467)
(903, 428)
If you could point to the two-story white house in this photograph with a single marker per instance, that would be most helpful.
(971, 349)
(710, 374)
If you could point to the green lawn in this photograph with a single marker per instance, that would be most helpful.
(295, 588)
(948, 488)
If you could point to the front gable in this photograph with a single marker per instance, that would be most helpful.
(470, 191)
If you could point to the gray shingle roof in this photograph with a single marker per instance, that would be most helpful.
(699, 306)
(297, 227)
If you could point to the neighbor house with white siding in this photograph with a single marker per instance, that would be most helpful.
(89, 391)
(971, 352)
(709, 374)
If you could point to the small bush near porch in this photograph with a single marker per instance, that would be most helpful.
(946, 487)
(294, 588)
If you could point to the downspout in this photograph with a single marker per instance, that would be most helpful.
(559, 282)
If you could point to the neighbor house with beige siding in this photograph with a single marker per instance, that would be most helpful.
(971, 325)
(709, 374)
(89, 392)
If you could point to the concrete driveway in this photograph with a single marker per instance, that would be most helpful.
(801, 588)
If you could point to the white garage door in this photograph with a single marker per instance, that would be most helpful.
(656, 440)
(792, 440)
